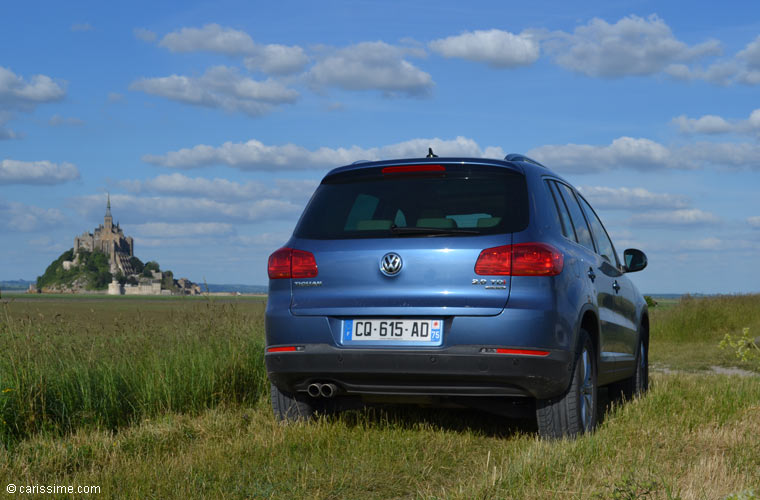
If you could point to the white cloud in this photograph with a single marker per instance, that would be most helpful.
(754, 221)
(20, 217)
(143, 34)
(751, 54)
(497, 48)
(273, 58)
(645, 154)
(115, 97)
(36, 172)
(58, 120)
(712, 124)
(297, 190)
(743, 67)
(220, 87)
(253, 154)
(210, 38)
(277, 59)
(625, 152)
(631, 198)
(142, 209)
(16, 93)
(371, 66)
(680, 217)
(632, 46)
(182, 229)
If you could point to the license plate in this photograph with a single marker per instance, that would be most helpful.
(392, 331)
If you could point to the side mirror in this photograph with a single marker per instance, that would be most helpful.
(635, 260)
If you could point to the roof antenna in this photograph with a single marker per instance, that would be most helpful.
(431, 154)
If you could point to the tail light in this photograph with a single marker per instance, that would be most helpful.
(522, 259)
(291, 263)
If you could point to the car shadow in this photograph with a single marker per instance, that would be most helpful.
(459, 420)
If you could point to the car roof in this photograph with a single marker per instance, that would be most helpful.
(514, 162)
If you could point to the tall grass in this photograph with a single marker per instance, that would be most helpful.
(687, 334)
(64, 366)
(706, 318)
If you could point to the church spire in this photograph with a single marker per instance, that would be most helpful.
(108, 206)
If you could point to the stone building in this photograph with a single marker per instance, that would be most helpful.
(110, 240)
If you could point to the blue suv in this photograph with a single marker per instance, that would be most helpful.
(453, 282)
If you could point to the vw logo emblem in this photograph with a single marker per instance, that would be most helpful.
(391, 264)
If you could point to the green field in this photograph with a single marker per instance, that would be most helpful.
(167, 398)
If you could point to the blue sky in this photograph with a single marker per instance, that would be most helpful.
(210, 124)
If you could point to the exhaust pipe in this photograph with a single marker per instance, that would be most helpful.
(328, 390)
(314, 390)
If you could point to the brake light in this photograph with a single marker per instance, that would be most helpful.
(291, 263)
(408, 169)
(522, 259)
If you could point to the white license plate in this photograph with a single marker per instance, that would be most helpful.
(388, 331)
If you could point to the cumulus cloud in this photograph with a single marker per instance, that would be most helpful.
(220, 87)
(671, 218)
(255, 155)
(272, 58)
(36, 172)
(17, 93)
(497, 48)
(743, 68)
(632, 46)
(754, 221)
(712, 124)
(20, 217)
(139, 209)
(371, 66)
(277, 59)
(223, 189)
(623, 152)
(645, 154)
(143, 34)
(631, 198)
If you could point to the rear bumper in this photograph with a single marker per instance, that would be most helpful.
(456, 371)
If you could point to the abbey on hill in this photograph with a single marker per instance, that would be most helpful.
(105, 260)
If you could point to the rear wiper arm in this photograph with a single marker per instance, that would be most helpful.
(431, 230)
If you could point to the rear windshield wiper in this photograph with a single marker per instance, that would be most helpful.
(432, 231)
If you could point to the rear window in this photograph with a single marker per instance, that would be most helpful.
(463, 200)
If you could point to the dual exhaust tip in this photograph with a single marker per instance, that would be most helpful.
(316, 390)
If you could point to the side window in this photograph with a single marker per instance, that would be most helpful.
(579, 222)
(564, 218)
(606, 249)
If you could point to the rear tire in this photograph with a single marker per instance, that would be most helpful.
(291, 407)
(638, 383)
(574, 412)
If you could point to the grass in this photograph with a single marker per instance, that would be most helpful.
(694, 435)
(685, 334)
(67, 365)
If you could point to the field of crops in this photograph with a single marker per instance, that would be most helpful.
(167, 398)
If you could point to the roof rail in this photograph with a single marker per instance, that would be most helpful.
(359, 161)
(519, 157)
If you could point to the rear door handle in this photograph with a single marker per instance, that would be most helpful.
(616, 286)
(591, 274)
